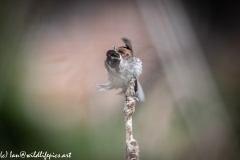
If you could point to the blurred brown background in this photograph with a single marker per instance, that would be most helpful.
(53, 52)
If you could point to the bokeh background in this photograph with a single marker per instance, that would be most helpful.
(52, 53)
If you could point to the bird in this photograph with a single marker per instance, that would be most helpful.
(122, 66)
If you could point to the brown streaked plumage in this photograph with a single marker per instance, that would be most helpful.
(125, 52)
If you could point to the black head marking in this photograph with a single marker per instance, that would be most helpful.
(113, 60)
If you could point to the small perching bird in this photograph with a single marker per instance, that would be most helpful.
(122, 66)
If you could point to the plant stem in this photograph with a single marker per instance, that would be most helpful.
(132, 148)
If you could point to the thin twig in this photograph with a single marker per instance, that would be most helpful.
(132, 148)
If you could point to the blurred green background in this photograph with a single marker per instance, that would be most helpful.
(52, 54)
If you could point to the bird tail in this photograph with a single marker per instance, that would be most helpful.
(139, 92)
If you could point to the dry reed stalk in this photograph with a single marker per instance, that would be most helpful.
(132, 148)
